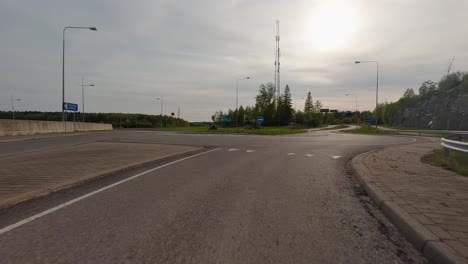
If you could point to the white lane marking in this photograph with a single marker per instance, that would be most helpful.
(250, 151)
(336, 157)
(290, 154)
(309, 155)
(58, 207)
(233, 149)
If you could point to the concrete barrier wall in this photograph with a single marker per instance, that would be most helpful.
(29, 127)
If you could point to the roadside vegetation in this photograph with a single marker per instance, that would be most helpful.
(456, 161)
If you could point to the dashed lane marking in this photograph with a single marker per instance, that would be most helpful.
(336, 157)
(250, 151)
(290, 154)
(309, 155)
(233, 149)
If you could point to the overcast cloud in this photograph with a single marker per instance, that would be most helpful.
(192, 52)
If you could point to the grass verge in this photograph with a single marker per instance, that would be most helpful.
(233, 130)
(456, 161)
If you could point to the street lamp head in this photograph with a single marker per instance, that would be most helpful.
(91, 85)
(93, 28)
(247, 78)
(18, 99)
(357, 62)
(158, 98)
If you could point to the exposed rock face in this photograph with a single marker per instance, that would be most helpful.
(441, 111)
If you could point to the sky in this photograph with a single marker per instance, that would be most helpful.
(192, 52)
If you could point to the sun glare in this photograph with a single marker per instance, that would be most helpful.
(332, 26)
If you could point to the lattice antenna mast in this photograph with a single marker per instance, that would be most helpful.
(278, 54)
(276, 61)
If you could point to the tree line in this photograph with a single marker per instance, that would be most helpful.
(280, 112)
(451, 86)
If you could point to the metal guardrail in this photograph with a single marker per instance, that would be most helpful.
(443, 132)
(451, 144)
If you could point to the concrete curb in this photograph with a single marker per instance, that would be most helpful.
(421, 237)
(74, 182)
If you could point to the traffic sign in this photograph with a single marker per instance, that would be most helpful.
(70, 107)
(260, 119)
(226, 118)
(369, 119)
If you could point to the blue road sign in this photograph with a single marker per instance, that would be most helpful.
(226, 118)
(260, 119)
(70, 107)
(369, 119)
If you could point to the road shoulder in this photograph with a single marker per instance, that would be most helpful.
(31, 175)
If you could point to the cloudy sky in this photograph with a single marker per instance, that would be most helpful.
(192, 52)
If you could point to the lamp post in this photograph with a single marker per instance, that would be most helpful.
(376, 91)
(237, 98)
(63, 68)
(162, 103)
(13, 105)
(82, 95)
(356, 107)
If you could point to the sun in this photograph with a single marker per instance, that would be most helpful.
(332, 26)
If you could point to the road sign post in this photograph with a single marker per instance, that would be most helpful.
(260, 120)
(70, 107)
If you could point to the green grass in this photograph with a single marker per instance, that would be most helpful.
(456, 161)
(336, 127)
(233, 130)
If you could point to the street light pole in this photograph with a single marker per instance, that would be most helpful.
(162, 103)
(82, 95)
(237, 98)
(356, 107)
(376, 92)
(13, 105)
(63, 68)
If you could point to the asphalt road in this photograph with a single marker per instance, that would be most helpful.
(247, 199)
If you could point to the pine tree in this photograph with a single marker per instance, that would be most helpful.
(286, 103)
(309, 104)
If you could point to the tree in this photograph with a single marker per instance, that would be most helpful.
(427, 88)
(317, 106)
(409, 93)
(265, 103)
(309, 104)
(286, 110)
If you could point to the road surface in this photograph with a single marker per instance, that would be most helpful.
(244, 199)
